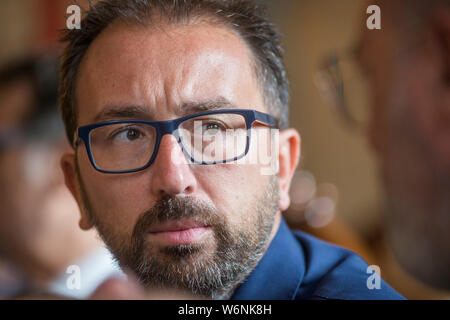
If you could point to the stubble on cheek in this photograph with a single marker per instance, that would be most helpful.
(210, 267)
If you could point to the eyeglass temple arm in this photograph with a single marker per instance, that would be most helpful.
(265, 118)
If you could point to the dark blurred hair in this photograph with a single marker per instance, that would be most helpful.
(42, 73)
(41, 120)
(244, 17)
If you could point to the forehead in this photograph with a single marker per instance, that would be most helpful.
(164, 68)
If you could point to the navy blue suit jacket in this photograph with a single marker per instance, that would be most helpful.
(299, 266)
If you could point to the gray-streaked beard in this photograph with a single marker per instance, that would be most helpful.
(190, 268)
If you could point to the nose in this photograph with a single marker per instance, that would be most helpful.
(172, 175)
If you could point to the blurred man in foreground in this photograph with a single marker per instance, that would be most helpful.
(39, 236)
(408, 65)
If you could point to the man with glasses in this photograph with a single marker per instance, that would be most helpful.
(173, 108)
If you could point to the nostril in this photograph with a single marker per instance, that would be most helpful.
(170, 192)
(188, 190)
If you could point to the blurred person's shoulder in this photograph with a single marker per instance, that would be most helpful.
(333, 272)
(12, 282)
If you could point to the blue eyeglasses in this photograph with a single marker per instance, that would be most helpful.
(213, 137)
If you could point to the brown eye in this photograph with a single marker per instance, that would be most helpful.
(212, 128)
(133, 134)
(126, 135)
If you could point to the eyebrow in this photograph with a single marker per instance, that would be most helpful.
(122, 112)
(143, 112)
(203, 106)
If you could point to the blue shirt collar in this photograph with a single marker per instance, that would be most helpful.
(279, 273)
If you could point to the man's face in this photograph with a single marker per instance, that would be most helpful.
(408, 91)
(228, 211)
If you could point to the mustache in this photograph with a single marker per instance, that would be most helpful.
(175, 208)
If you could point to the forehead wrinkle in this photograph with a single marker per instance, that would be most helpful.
(164, 91)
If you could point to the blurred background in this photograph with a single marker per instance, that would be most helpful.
(336, 194)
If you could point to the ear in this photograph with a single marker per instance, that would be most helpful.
(288, 158)
(68, 167)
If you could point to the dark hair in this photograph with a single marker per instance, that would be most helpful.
(42, 74)
(244, 17)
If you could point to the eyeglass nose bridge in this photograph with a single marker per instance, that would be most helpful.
(169, 127)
